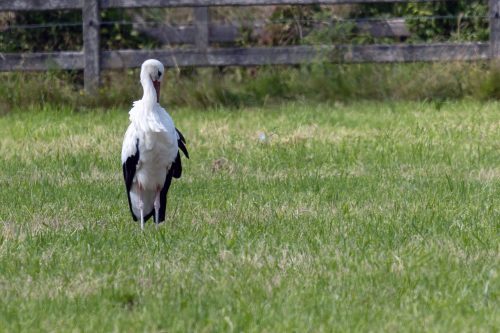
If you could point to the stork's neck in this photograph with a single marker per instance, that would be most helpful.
(149, 97)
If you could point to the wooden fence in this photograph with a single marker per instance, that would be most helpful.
(92, 59)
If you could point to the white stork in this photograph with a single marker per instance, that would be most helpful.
(150, 151)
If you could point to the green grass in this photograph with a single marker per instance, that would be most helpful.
(358, 217)
(233, 87)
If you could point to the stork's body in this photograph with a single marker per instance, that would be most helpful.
(150, 152)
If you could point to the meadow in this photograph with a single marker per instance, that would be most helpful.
(365, 216)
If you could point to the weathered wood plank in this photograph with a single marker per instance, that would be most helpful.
(203, 3)
(185, 34)
(251, 56)
(298, 54)
(41, 61)
(168, 34)
(201, 20)
(18, 5)
(415, 52)
(384, 28)
(494, 29)
(213, 57)
(91, 45)
(231, 32)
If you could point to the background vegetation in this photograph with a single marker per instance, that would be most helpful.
(450, 20)
(236, 87)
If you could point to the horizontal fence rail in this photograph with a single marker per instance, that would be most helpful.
(255, 56)
(231, 32)
(15, 5)
(203, 32)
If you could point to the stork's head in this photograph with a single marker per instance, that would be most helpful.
(153, 70)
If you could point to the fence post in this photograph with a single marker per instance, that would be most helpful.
(201, 20)
(494, 29)
(91, 45)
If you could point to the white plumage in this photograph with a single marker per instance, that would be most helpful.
(150, 151)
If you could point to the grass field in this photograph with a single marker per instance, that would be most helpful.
(357, 217)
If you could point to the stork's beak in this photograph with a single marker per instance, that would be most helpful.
(156, 84)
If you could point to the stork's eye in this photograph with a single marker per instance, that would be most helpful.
(159, 74)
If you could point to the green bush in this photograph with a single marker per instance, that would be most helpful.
(461, 20)
(62, 31)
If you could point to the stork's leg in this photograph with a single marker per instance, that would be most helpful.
(141, 207)
(157, 207)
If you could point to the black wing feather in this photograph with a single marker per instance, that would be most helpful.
(129, 169)
(177, 167)
(182, 143)
(180, 135)
(163, 196)
(183, 148)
